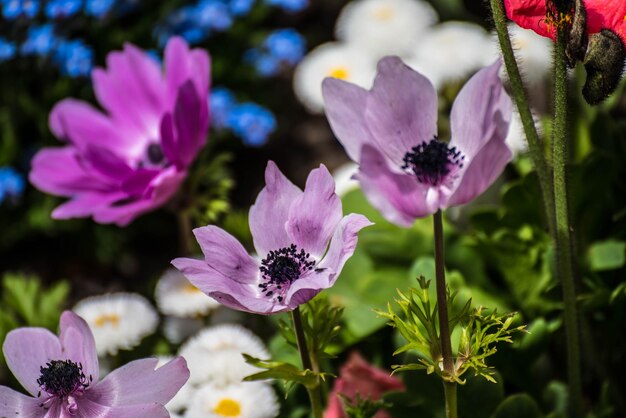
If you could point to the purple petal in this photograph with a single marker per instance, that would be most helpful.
(107, 163)
(90, 409)
(344, 105)
(140, 382)
(85, 204)
(314, 215)
(400, 198)
(15, 404)
(78, 343)
(401, 110)
(168, 138)
(235, 295)
(225, 254)
(59, 172)
(181, 65)
(28, 349)
(190, 113)
(270, 212)
(139, 180)
(479, 121)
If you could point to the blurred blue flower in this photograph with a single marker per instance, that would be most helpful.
(99, 8)
(39, 40)
(265, 64)
(59, 9)
(12, 184)
(292, 6)
(12, 9)
(240, 7)
(286, 45)
(221, 102)
(7, 50)
(75, 58)
(213, 15)
(252, 123)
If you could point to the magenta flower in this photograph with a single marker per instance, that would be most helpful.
(300, 237)
(391, 132)
(61, 374)
(133, 158)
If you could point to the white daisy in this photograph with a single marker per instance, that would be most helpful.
(181, 400)
(245, 400)
(332, 59)
(176, 296)
(343, 178)
(452, 51)
(516, 138)
(177, 329)
(214, 354)
(533, 53)
(118, 320)
(385, 27)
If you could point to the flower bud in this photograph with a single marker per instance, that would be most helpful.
(604, 63)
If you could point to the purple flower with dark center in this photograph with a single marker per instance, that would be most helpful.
(132, 159)
(300, 237)
(62, 375)
(405, 171)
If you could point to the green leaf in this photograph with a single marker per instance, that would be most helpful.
(518, 406)
(283, 371)
(607, 255)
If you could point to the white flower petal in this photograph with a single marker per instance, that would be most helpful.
(244, 400)
(176, 296)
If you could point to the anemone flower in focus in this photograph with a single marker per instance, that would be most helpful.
(405, 171)
(132, 158)
(358, 377)
(61, 374)
(601, 14)
(301, 239)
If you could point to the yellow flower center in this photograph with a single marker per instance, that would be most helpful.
(339, 72)
(105, 319)
(228, 408)
(383, 13)
(189, 288)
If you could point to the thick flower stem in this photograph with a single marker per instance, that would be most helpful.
(315, 394)
(519, 94)
(564, 259)
(444, 324)
(185, 237)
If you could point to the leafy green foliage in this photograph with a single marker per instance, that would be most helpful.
(518, 406)
(288, 373)
(362, 408)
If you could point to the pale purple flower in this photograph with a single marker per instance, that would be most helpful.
(301, 239)
(132, 158)
(391, 132)
(61, 374)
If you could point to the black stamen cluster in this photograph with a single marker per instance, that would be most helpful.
(62, 377)
(283, 267)
(155, 154)
(431, 161)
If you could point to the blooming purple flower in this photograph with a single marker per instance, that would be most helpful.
(132, 159)
(301, 239)
(405, 171)
(61, 374)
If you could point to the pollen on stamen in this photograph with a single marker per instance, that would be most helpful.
(61, 378)
(432, 161)
(281, 268)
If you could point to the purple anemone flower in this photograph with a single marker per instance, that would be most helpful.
(300, 237)
(61, 374)
(133, 158)
(405, 171)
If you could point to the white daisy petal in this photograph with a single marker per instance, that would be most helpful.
(176, 296)
(533, 53)
(343, 178)
(452, 51)
(385, 27)
(245, 400)
(332, 59)
(118, 320)
(215, 354)
(177, 329)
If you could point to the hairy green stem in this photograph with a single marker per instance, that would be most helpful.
(444, 324)
(519, 94)
(564, 258)
(315, 394)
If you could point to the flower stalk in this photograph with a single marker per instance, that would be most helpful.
(519, 94)
(315, 394)
(444, 324)
(564, 257)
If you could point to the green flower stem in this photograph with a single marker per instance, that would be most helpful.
(185, 237)
(315, 394)
(519, 94)
(444, 324)
(564, 259)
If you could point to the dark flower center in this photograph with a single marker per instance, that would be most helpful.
(155, 154)
(62, 378)
(432, 161)
(281, 268)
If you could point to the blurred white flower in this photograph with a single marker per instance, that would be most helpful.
(343, 178)
(533, 53)
(385, 27)
(244, 400)
(516, 138)
(332, 59)
(452, 51)
(181, 400)
(176, 296)
(118, 320)
(177, 329)
(214, 354)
